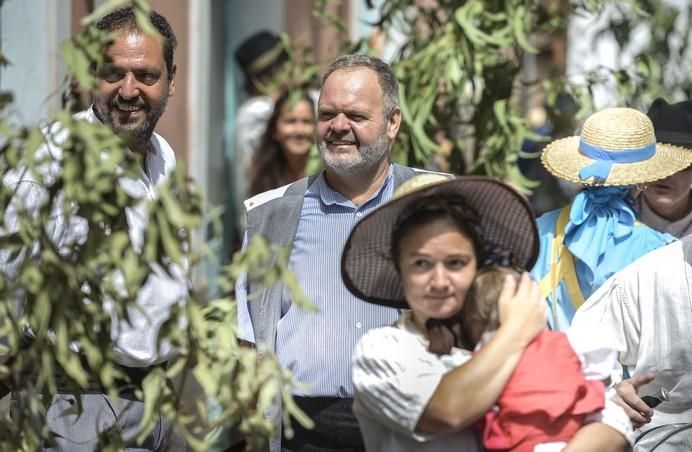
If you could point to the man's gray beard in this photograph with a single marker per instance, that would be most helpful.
(368, 157)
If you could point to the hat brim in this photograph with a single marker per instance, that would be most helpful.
(563, 159)
(673, 138)
(506, 223)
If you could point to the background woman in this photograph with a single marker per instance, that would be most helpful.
(283, 151)
(420, 253)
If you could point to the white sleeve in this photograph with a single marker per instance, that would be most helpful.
(610, 320)
(598, 360)
(394, 378)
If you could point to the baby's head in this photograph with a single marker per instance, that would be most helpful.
(480, 311)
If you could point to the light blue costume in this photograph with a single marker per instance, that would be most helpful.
(603, 236)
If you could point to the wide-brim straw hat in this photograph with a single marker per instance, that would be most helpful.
(505, 224)
(617, 146)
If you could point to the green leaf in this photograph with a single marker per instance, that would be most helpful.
(152, 387)
(519, 21)
(144, 23)
(170, 244)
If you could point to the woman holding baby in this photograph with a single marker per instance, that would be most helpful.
(434, 382)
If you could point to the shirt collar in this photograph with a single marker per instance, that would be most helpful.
(155, 162)
(87, 115)
(329, 196)
(405, 323)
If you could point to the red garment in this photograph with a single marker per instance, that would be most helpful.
(545, 399)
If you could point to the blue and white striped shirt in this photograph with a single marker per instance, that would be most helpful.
(317, 346)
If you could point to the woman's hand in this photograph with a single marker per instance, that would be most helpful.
(521, 308)
(467, 392)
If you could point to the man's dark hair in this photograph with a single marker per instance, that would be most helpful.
(124, 19)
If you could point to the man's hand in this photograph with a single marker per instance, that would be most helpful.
(639, 412)
(522, 309)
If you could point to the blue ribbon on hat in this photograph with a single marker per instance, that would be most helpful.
(605, 159)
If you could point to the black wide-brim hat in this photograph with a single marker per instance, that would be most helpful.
(505, 223)
(672, 122)
(259, 52)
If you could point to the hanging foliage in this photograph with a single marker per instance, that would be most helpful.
(59, 293)
(463, 88)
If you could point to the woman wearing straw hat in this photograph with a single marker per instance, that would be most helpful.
(586, 242)
(420, 253)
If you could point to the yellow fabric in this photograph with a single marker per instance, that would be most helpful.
(562, 265)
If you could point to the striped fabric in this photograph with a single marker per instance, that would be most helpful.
(317, 346)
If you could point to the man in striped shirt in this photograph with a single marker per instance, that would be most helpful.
(358, 119)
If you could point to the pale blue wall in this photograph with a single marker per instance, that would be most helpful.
(30, 34)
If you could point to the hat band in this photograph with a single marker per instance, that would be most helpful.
(605, 159)
(265, 60)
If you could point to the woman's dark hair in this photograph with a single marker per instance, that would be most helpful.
(269, 166)
(428, 210)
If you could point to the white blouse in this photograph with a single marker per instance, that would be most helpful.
(395, 376)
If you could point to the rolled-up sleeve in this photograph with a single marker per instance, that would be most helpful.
(610, 319)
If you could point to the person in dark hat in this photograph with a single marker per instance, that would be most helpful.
(260, 57)
(666, 205)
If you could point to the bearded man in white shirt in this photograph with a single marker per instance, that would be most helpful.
(134, 86)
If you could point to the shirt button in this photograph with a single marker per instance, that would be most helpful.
(359, 325)
(359, 214)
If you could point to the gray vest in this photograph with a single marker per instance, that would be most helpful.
(277, 220)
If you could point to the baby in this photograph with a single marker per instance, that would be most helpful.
(547, 398)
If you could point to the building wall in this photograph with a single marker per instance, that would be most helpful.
(174, 124)
(36, 71)
(307, 30)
